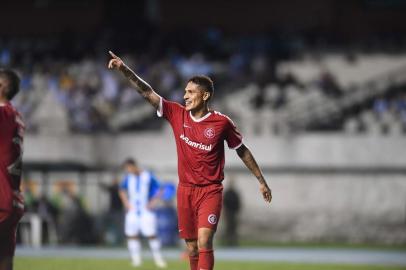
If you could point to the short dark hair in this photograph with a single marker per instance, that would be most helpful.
(14, 82)
(130, 161)
(204, 82)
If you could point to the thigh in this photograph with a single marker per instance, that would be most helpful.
(148, 224)
(8, 227)
(6, 263)
(132, 224)
(187, 217)
(210, 209)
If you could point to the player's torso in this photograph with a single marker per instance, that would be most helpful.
(203, 136)
(139, 190)
(200, 147)
(11, 149)
(11, 143)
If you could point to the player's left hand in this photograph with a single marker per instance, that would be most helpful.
(266, 192)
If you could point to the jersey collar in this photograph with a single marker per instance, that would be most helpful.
(201, 118)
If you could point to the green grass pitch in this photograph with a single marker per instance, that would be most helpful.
(121, 264)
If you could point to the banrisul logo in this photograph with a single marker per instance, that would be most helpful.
(195, 144)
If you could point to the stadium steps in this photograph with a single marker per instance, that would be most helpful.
(316, 108)
(136, 115)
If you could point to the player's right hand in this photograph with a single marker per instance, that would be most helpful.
(115, 61)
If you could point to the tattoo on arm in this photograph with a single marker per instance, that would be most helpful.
(246, 156)
(141, 86)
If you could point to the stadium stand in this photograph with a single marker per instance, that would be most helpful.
(328, 90)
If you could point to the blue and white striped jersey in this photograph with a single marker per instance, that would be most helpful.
(141, 189)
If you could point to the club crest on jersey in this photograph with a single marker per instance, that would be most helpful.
(209, 133)
(212, 219)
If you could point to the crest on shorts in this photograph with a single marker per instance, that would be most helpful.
(209, 133)
(212, 219)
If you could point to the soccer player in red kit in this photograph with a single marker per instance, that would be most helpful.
(199, 134)
(11, 140)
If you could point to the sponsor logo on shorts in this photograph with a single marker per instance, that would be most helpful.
(209, 133)
(212, 219)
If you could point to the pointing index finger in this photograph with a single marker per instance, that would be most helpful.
(113, 55)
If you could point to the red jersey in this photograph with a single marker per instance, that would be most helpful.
(200, 143)
(11, 149)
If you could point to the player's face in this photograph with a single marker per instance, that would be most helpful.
(129, 168)
(194, 97)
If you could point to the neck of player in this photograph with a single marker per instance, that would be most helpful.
(200, 112)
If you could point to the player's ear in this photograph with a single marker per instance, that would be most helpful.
(206, 96)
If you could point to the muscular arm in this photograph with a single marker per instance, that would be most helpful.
(139, 84)
(246, 156)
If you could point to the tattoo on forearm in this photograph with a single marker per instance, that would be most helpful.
(261, 179)
(142, 87)
(251, 164)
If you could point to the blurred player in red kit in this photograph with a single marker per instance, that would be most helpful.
(11, 149)
(199, 134)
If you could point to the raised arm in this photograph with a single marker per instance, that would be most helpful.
(246, 156)
(139, 84)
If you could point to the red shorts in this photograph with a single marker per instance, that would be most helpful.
(198, 207)
(8, 228)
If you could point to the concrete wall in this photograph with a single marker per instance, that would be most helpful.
(325, 188)
(157, 150)
(325, 207)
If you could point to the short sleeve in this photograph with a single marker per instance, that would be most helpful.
(233, 136)
(168, 109)
(124, 183)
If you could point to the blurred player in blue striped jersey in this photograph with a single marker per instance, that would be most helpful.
(139, 193)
